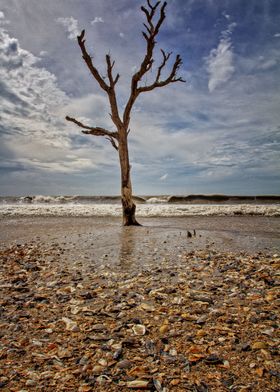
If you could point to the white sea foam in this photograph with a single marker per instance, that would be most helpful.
(143, 210)
(157, 200)
(46, 199)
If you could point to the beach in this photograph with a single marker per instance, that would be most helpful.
(180, 304)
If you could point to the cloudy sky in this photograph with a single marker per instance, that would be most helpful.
(217, 133)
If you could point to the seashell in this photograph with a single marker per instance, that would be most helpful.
(139, 329)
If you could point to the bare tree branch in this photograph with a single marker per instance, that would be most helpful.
(113, 142)
(95, 73)
(110, 89)
(110, 66)
(152, 26)
(96, 131)
(172, 78)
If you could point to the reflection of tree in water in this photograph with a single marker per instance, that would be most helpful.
(128, 238)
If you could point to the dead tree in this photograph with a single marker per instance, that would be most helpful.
(155, 15)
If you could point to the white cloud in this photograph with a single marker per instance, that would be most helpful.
(277, 35)
(97, 19)
(122, 35)
(227, 16)
(3, 21)
(34, 136)
(71, 26)
(220, 61)
(267, 64)
(164, 177)
(227, 33)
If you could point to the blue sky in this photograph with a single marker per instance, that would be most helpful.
(217, 133)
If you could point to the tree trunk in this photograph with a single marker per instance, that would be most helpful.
(128, 206)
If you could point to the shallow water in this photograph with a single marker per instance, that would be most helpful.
(99, 241)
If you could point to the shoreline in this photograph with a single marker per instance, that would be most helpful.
(90, 235)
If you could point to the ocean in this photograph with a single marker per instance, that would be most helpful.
(147, 206)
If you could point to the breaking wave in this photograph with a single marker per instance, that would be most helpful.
(143, 210)
(148, 206)
(172, 199)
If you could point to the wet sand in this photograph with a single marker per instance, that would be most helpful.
(97, 241)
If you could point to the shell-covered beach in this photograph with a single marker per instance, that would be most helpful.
(179, 304)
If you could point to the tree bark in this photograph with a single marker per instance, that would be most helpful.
(128, 205)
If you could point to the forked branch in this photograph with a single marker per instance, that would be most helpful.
(171, 78)
(110, 66)
(88, 60)
(109, 88)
